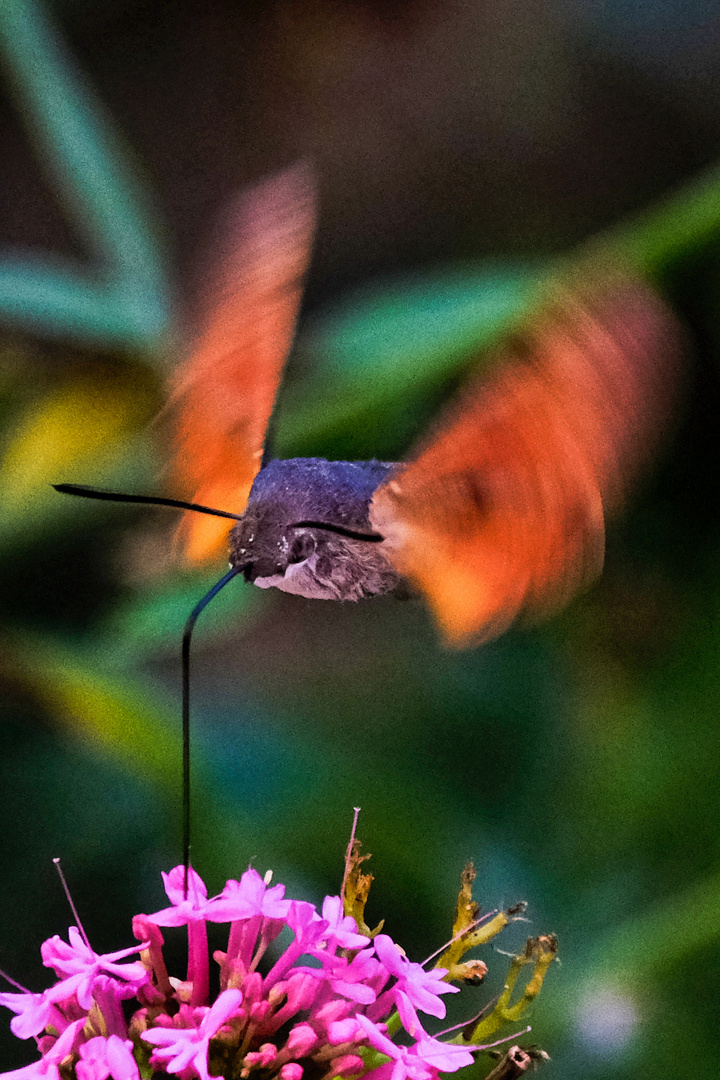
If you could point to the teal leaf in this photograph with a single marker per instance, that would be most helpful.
(58, 298)
(101, 193)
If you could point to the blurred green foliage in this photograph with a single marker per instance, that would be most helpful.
(578, 763)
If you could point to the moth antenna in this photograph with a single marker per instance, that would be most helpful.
(185, 660)
(371, 537)
(151, 500)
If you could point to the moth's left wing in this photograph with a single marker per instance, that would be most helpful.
(223, 393)
(502, 512)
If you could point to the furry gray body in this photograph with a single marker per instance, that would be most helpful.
(312, 562)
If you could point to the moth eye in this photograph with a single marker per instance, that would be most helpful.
(301, 548)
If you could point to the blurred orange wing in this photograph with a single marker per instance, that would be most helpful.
(223, 393)
(502, 512)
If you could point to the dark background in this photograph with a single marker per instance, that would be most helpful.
(577, 763)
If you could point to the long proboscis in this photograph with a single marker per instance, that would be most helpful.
(185, 663)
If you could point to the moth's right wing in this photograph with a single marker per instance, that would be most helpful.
(501, 512)
(223, 393)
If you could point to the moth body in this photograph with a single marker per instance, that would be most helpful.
(272, 552)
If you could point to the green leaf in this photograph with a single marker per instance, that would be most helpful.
(385, 349)
(660, 938)
(654, 241)
(84, 431)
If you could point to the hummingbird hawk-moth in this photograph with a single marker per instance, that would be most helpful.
(499, 513)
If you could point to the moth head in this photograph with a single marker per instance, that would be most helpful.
(305, 526)
(262, 546)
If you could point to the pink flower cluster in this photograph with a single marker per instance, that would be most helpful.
(328, 1006)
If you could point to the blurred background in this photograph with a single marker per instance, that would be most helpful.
(460, 146)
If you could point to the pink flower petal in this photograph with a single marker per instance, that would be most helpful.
(107, 1059)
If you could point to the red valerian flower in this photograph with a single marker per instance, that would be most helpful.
(330, 1004)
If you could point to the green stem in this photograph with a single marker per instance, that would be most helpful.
(393, 1024)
